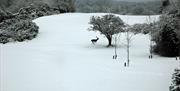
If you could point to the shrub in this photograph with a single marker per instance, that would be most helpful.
(5, 15)
(19, 26)
(19, 31)
(25, 30)
(36, 10)
(140, 28)
(175, 86)
(6, 36)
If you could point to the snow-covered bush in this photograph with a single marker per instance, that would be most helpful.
(7, 23)
(19, 26)
(5, 15)
(175, 86)
(36, 10)
(140, 28)
(6, 36)
(17, 30)
(24, 30)
(145, 28)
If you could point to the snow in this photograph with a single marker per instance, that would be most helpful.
(62, 58)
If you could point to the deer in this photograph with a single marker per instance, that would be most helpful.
(94, 40)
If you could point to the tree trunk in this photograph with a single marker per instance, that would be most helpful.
(109, 41)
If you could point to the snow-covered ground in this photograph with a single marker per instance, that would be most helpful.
(62, 58)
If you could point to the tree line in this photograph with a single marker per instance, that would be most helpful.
(118, 7)
(89, 6)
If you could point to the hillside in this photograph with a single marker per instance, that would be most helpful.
(62, 58)
(138, 0)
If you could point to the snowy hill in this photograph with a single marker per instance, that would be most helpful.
(62, 58)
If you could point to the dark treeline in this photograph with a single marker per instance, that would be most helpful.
(119, 7)
(91, 6)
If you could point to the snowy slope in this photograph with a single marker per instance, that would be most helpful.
(62, 58)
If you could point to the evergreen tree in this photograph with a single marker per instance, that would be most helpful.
(169, 42)
(168, 37)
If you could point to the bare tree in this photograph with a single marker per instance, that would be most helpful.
(116, 38)
(150, 22)
(129, 38)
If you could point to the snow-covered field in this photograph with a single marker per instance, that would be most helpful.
(62, 58)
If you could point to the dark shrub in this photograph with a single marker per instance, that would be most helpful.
(36, 10)
(175, 86)
(6, 36)
(18, 30)
(5, 15)
(168, 44)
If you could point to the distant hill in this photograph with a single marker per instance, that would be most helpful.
(123, 7)
(137, 0)
(125, 0)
